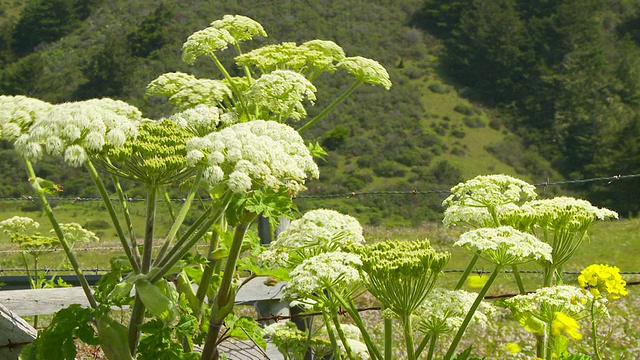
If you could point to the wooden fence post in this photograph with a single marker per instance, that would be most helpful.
(15, 333)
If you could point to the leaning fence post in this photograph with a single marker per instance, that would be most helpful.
(15, 333)
(269, 308)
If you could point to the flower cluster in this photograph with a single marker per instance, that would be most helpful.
(598, 279)
(366, 70)
(538, 308)
(400, 274)
(294, 343)
(505, 245)
(562, 323)
(18, 113)
(317, 231)
(568, 214)
(74, 232)
(203, 119)
(18, 224)
(229, 30)
(310, 58)
(443, 311)
(78, 130)
(281, 93)
(336, 270)
(490, 191)
(186, 91)
(156, 156)
(246, 156)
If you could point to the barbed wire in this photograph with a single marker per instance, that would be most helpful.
(415, 191)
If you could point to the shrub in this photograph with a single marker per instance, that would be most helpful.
(335, 137)
(389, 168)
(96, 224)
(474, 122)
(458, 133)
(439, 88)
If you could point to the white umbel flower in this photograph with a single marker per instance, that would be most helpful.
(318, 231)
(255, 154)
(443, 311)
(505, 245)
(281, 93)
(490, 191)
(18, 113)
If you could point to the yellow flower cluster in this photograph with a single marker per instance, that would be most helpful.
(565, 323)
(602, 278)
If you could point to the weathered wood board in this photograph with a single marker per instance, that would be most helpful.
(48, 301)
(14, 334)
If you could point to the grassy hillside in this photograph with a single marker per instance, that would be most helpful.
(422, 134)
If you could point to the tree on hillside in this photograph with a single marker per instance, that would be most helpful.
(152, 32)
(45, 21)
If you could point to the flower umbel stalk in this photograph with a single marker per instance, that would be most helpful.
(223, 303)
(467, 319)
(467, 271)
(114, 217)
(58, 231)
(335, 103)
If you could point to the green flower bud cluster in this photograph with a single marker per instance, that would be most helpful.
(156, 156)
(400, 274)
(186, 91)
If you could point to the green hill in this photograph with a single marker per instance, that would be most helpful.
(422, 134)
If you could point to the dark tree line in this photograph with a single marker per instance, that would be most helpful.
(567, 72)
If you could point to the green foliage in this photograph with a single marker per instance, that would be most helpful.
(152, 33)
(335, 137)
(57, 340)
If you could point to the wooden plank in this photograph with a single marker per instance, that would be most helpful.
(15, 333)
(48, 301)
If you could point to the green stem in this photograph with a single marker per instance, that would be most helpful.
(232, 85)
(114, 217)
(408, 336)
(63, 241)
(516, 274)
(467, 271)
(187, 241)
(127, 218)
(330, 107)
(388, 338)
(137, 315)
(150, 220)
(332, 336)
(355, 316)
(181, 216)
(208, 268)
(343, 337)
(432, 346)
(422, 345)
(226, 295)
(167, 200)
(594, 329)
(472, 310)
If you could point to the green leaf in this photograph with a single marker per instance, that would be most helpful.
(317, 151)
(271, 204)
(245, 328)
(114, 338)
(155, 300)
(56, 341)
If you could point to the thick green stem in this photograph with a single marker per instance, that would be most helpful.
(422, 345)
(432, 346)
(472, 310)
(127, 217)
(181, 216)
(114, 217)
(343, 337)
(208, 269)
(226, 294)
(335, 103)
(137, 315)
(516, 274)
(58, 231)
(408, 336)
(388, 338)
(467, 271)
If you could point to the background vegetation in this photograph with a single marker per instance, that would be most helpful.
(544, 90)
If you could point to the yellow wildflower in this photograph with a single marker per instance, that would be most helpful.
(602, 278)
(477, 281)
(512, 348)
(564, 323)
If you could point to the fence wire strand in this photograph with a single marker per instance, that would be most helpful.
(348, 195)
